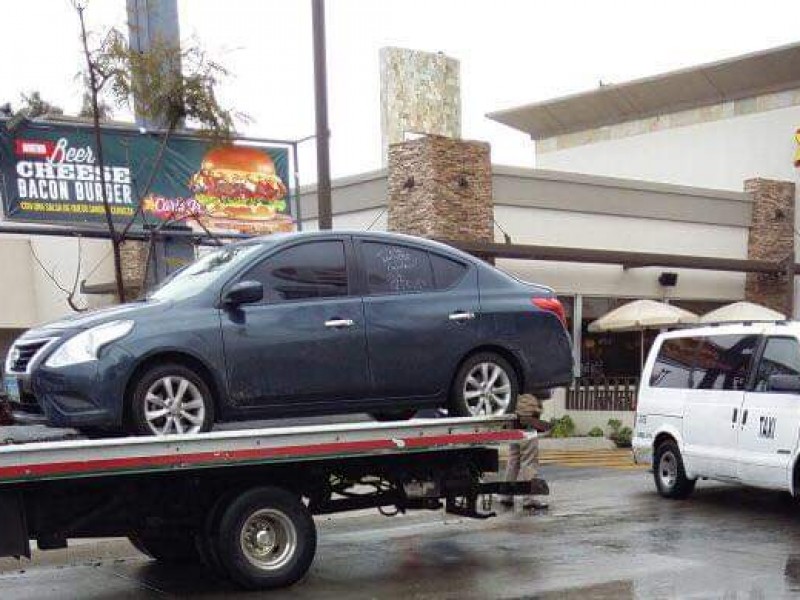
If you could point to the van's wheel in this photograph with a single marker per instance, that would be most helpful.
(486, 384)
(169, 549)
(397, 415)
(669, 473)
(267, 539)
(169, 399)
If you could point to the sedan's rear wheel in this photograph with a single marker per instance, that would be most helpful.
(486, 384)
(171, 399)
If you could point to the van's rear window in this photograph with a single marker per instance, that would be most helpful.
(673, 364)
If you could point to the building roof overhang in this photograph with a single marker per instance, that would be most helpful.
(763, 72)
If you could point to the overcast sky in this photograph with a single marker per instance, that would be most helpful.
(512, 52)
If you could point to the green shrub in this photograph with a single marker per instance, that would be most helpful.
(622, 436)
(596, 432)
(614, 425)
(563, 427)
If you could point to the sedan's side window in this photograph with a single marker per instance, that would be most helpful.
(447, 273)
(781, 356)
(395, 269)
(310, 270)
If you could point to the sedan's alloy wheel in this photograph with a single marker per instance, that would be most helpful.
(487, 390)
(173, 404)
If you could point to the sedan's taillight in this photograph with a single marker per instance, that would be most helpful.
(552, 305)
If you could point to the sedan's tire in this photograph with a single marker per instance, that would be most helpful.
(398, 415)
(169, 399)
(486, 384)
(669, 472)
(168, 549)
(267, 539)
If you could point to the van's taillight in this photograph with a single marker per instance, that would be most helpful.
(552, 305)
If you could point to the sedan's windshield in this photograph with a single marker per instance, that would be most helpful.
(198, 275)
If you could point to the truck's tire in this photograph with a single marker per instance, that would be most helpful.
(398, 415)
(207, 539)
(169, 549)
(669, 472)
(176, 389)
(267, 539)
(485, 384)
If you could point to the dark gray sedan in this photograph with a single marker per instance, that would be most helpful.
(298, 324)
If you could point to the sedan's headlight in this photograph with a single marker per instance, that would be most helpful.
(85, 346)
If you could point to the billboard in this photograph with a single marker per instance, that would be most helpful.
(49, 172)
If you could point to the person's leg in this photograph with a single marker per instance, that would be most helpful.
(512, 471)
(529, 469)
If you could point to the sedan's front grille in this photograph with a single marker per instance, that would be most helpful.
(23, 352)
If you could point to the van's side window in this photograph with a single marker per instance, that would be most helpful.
(674, 363)
(781, 357)
(723, 362)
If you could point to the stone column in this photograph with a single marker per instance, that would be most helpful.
(441, 188)
(771, 237)
(133, 254)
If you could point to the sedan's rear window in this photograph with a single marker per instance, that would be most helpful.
(447, 273)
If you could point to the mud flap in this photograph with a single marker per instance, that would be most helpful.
(13, 527)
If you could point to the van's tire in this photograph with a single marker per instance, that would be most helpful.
(397, 415)
(165, 548)
(470, 393)
(174, 388)
(267, 539)
(669, 472)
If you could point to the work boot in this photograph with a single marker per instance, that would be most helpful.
(535, 504)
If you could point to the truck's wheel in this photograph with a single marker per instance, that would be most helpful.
(267, 539)
(171, 549)
(207, 539)
(398, 415)
(170, 399)
(669, 473)
(486, 384)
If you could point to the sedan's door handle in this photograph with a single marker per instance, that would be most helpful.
(336, 323)
(461, 316)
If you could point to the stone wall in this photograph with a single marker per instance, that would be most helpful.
(420, 93)
(441, 188)
(771, 238)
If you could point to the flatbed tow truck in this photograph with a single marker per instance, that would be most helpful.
(241, 502)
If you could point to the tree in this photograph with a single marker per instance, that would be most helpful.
(167, 84)
(33, 105)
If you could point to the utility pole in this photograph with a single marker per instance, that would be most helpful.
(325, 218)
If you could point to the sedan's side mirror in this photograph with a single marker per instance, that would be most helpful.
(784, 383)
(244, 292)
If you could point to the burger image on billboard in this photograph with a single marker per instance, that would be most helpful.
(239, 190)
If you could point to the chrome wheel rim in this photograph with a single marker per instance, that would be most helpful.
(668, 470)
(173, 404)
(487, 390)
(268, 539)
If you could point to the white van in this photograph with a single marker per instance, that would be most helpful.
(721, 402)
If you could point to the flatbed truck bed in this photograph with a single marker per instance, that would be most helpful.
(241, 502)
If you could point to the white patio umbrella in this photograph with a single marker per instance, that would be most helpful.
(742, 311)
(640, 315)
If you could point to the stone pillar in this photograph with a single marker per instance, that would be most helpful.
(771, 238)
(441, 188)
(133, 255)
(420, 94)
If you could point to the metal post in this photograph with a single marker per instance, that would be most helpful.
(298, 213)
(325, 219)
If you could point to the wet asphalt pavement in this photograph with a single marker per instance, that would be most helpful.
(606, 535)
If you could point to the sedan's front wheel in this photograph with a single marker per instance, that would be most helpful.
(486, 384)
(170, 399)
